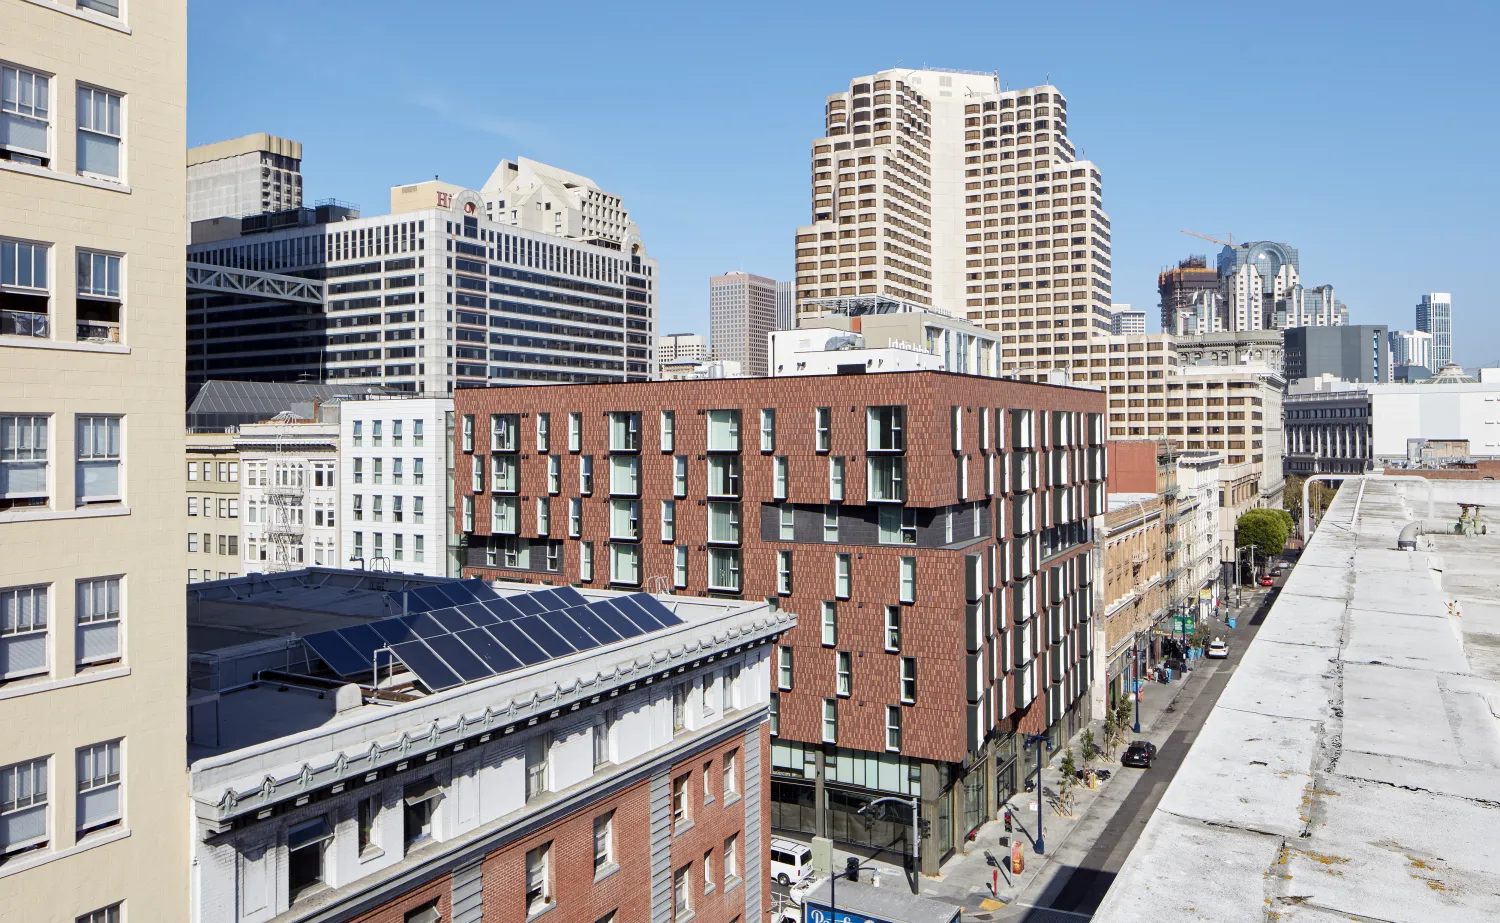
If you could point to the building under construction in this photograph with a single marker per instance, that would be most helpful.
(1190, 298)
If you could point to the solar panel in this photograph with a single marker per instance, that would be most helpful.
(503, 610)
(634, 611)
(593, 624)
(489, 650)
(420, 659)
(516, 641)
(393, 631)
(451, 619)
(547, 600)
(364, 639)
(428, 597)
(570, 630)
(478, 614)
(463, 661)
(454, 593)
(615, 619)
(569, 595)
(526, 604)
(539, 631)
(425, 625)
(336, 652)
(477, 589)
(654, 606)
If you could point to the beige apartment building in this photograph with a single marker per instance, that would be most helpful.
(939, 188)
(213, 507)
(93, 813)
(1132, 545)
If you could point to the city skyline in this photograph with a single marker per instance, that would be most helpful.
(1156, 184)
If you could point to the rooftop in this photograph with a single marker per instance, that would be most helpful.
(1349, 769)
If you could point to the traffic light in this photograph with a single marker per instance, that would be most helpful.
(924, 828)
(1009, 824)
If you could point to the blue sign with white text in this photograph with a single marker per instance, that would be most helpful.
(817, 914)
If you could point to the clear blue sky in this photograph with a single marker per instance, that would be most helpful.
(1364, 134)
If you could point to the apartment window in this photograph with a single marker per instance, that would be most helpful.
(956, 419)
(419, 549)
(98, 476)
(396, 433)
(604, 842)
(397, 513)
(305, 843)
(425, 913)
(893, 728)
(723, 431)
(624, 475)
(398, 546)
(824, 425)
(841, 576)
(468, 433)
(379, 467)
(396, 472)
(784, 572)
(377, 431)
(624, 431)
(898, 525)
(774, 714)
(476, 474)
(543, 516)
(539, 879)
(420, 800)
(586, 475)
(893, 628)
(731, 850)
(780, 478)
(844, 673)
(963, 477)
(625, 520)
(625, 563)
(679, 566)
(724, 523)
(682, 900)
(830, 721)
(668, 520)
(359, 471)
(23, 806)
(192, 506)
(468, 514)
(885, 429)
(679, 476)
(192, 471)
(98, 787)
(836, 477)
(668, 430)
(784, 667)
(908, 580)
(575, 431)
(110, 914)
(908, 679)
(768, 430)
(378, 507)
(99, 297)
(708, 871)
(25, 115)
(724, 569)
(24, 294)
(586, 562)
(23, 630)
(830, 523)
(505, 474)
(830, 623)
(359, 433)
(730, 774)
(886, 478)
(681, 803)
(416, 435)
(602, 731)
(543, 432)
(554, 474)
(98, 617)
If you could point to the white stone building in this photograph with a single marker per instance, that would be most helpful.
(244, 176)
(395, 485)
(681, 347)
(1126, 321)
(289, 496)
(741, 314)
(1198, 529)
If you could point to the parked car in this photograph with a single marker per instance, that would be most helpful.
(1217, 649)
(1140, 754)
(790, 861)
(1268, 580)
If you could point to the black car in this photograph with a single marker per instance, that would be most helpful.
(1140, 753)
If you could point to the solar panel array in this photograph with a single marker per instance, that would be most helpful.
(460, 632)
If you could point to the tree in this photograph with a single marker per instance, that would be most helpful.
(1123, 721)
(1265, 530)
(1200, 635)
(1111, 731)
(1088, 748)
(1319, 495)
(1069, 770)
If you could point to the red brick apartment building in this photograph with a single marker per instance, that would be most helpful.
(931, 531)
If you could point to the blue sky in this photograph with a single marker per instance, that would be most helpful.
(1364, 134)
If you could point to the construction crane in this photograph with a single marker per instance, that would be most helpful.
(1226, 243)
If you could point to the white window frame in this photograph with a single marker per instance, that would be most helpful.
(893, 628)
(539, 879)
(785, 668)
(768, 429)
(24, 793)
(100, 778)
(830, 523)
(20, 88)
(575, 431)
(823, 429)
(781, 476)
(680, 566)
(100, 446)
(669, 521)
(786, 522)
(908, 579)
(604, 842)
(836, 472)
(843, 577)
(25, 620)
(830, 623)
(668, 430)
(25, 446)
(784, 572)
(830, 723)
(97, 612)
(908, 680)
(843, 674)
(893, 728)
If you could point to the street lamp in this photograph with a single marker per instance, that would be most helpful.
(1038, 740)
(1135, 693)
(916, 839)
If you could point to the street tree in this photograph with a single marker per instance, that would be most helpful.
(1265, 530)
(1069, 769)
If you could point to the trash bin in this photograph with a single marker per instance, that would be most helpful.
(1231, 621)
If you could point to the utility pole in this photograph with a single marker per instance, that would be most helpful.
(1040, 741)
(915, 804)
(1135, 693)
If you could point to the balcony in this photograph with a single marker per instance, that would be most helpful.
(1172, 548)
(1172, 492)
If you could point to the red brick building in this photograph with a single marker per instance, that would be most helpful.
(930, 530)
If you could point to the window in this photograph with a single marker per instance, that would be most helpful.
(397, 513)
(377, 431)
(668, 430)
(908, 580)
(731, 853)
(468, 514)
(379, 463)
(357, 508)
(784, 572)
(305, 843)
(705, 708)
(543, 432)
(783, 667)
(682, 901)
(724, 569)
(724, 522)
(396, 433)
(554, 474)
(23, 806)
(98, 616)
(668, 520)
(419, 550)
(786, 515)
(624, 475)
(625, 564)
(679, 707)
(830, 523)
(98, 132)
(625, 520)
(398, 546)
(893, 728)
(367, 810)
(844, 673)
(98, 786)
(780, 478)
(624, 431)
(604, 842)
(476, 474)
(887, 478)
(25, 115)
(420, 799)
(359, 471)
(539, 879)
(898, 525)
(110, 914)
(841, 577)
(679, 476)
(505, 432)
(192, 472)
(468, 432)
(575, 431)
(416, 471)
(893, 628)
(586, 562)
(586, 475)
(23, 631)
(99, 298)
(830, 721)
(768, 430)
(723, 431)
(427, 912)
(396, 473)
(416, 436)
(680, 566)
(359, 433)
(956, 424)
(830, 623)
(505, 474)
(98, 459)
(681, 803)
(774, 714)
(543, 516)
(731, 777)
(885, 429)
(192, 506)
(824, 424)
(836, 477)
(708, 871)
(908, 679)
(24, 294)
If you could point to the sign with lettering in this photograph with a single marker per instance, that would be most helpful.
(445, 199)
(817, 914)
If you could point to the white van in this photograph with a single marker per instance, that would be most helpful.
(790, 861)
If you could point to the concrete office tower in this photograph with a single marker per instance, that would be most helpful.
(1125, 321)
(941, 189)
(786, 305)
(741, 316)
(681, 347)
(1320, 309)
(244, 176)
(1260, 285)
(92, 624)
(1189, 295)
(1353, 353)
(527, 194)
(1411, 349)
(1435, 316)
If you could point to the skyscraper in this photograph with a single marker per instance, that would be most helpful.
(1125, 321)
(244, 176)
(1260, 284)
(1435, 316)
(1411, 349)
(93, 810)
(1190, 301)
(741, 316)
(786, 305)
(939, 188)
